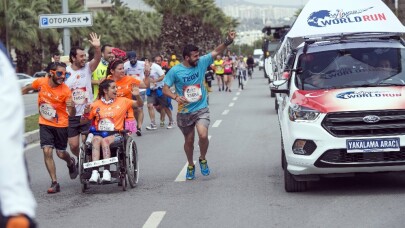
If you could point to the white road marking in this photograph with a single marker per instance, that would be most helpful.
(217, 123)
(231, 104)
(182, 175)
(225, 112)
(238, 93)
(154, 219)
(235, 98)
(31, 146)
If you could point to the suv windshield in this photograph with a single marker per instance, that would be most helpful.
(351, 68)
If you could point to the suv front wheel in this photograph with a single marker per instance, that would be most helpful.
(290, 184)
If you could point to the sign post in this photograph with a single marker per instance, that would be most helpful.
(65, 21)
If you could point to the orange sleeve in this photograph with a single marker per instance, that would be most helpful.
(92, 112)
(129, 103)
(36, 83)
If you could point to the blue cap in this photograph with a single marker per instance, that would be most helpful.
(131, 54)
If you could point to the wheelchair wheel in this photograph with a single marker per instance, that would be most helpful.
(132, 163)
(82, 156)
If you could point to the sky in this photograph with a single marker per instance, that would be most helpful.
(141, 4)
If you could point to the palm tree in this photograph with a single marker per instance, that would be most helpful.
(24, 35)
(182, 23)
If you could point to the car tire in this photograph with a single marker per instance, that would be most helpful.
(290, 184)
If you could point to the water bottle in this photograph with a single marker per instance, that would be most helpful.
(89, 139)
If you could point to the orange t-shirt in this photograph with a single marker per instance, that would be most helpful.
(110, 117)
(52, 103)
(124, 89)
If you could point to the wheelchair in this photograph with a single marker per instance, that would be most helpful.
(124, 156)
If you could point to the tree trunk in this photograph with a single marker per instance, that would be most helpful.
(22, 61)
(36, 62)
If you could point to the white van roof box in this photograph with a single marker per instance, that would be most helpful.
(320, 18)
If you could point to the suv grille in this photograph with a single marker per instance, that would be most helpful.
(340, 158)
(344, 124)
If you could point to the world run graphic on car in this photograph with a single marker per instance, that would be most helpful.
(324, 18)
(350, 99)
(320, 18)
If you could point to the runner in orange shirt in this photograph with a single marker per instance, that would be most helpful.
(125, 85)
(108, 113)
(54, 98)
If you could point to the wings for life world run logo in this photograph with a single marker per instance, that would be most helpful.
(364, 94)
(324, 18)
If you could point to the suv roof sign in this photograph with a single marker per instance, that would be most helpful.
(336, 17)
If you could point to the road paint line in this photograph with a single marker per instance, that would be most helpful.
(217, 123)
(231, 104)
(182, 175)
(154, 219)
(238, 93)
(235, 98)
(225, 112)
(31, 146)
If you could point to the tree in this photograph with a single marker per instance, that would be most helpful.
(199, 22)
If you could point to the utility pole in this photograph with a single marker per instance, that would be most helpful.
(66, 31)
(6, 23)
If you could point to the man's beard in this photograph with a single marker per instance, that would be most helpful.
(133, 62)
(194, 63)
(55, 80)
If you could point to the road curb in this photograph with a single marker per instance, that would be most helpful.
(31, 136)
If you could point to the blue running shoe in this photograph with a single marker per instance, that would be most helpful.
(190, 172)
(204, 167)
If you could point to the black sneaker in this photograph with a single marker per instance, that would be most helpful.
(55, 187)
(73, 171)
(138, 132)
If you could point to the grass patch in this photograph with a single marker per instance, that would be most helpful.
(31, 123)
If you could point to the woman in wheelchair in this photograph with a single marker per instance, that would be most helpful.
(108, 114)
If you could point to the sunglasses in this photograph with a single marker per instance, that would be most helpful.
(60, 73)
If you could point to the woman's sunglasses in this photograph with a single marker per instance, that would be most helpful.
(60, 73)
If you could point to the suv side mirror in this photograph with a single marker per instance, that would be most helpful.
(279, 86)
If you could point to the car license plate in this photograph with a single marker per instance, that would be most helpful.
(372, 145)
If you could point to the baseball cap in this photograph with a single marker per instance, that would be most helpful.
(131, 54)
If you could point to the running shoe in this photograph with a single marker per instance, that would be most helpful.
(55, 187)
(106, 176)
(73, 171)
(95, 177)
(170, 125)
(190, 172)
(151, 127)
(205, 170)
(138, 132)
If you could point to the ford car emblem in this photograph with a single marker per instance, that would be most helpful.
(371, 119)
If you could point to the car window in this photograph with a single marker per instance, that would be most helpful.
(21, 76)
(351, 68)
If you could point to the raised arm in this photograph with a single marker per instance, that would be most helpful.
(139, 101)
(95, 42)
(221, 48)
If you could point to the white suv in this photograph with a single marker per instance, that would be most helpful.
(344, 109)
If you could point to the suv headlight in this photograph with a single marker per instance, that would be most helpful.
(301, 113)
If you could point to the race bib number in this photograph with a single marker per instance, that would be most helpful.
(106, 125)
(47, 111)
(192, 93)
(79, 96)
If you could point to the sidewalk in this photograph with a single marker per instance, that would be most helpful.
(32, 136)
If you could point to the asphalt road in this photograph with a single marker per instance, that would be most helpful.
(245, 187)
(30, 104)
